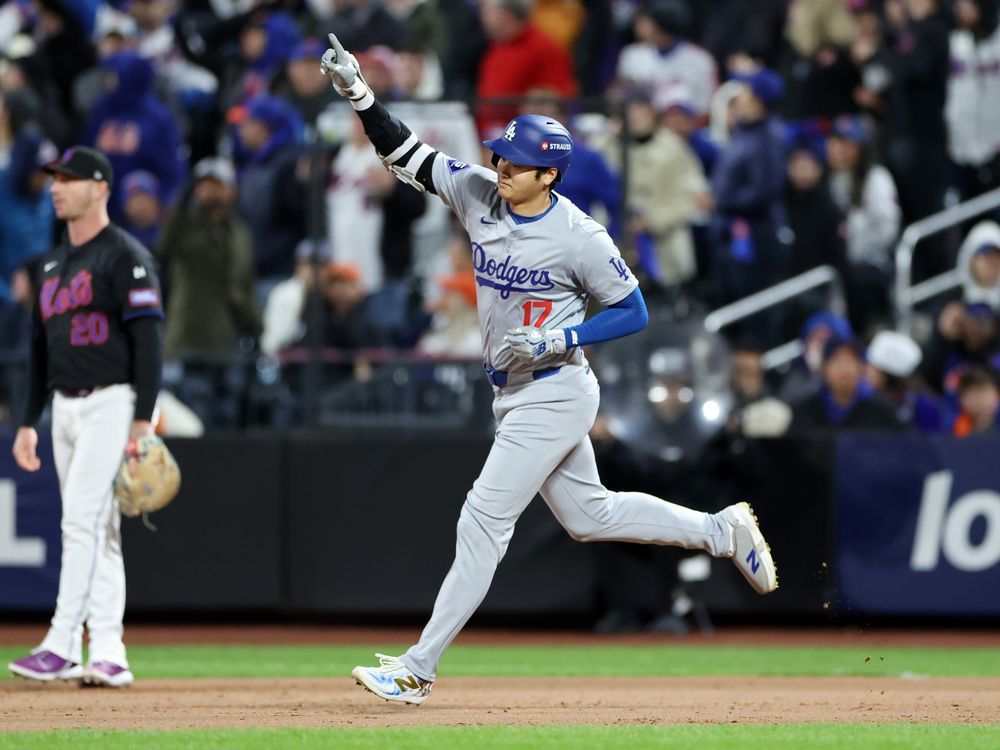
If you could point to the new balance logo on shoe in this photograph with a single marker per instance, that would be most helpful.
(754, 562)
(408, 683)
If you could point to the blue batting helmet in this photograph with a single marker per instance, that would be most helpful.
(534, 141)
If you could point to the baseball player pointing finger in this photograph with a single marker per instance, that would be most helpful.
(538, 260)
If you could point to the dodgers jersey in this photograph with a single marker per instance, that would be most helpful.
(539, 271)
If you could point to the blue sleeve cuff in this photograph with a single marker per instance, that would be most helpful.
(620, 319)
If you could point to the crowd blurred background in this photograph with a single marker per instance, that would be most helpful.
(727, 144)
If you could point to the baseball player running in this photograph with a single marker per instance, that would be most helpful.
(538, 260)
(97, 345)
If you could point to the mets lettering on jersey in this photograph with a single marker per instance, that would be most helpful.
(54, 300)
(506, 276)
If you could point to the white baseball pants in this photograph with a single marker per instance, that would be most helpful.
(88, 438)
(542, 445)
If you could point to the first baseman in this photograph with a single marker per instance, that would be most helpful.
(97, 346)
(538, 260)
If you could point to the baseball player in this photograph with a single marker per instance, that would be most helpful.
(97, 346)
(538, 259)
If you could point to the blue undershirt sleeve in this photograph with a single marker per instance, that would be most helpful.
(618, 320)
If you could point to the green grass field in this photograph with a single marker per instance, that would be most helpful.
(151, 662)
(726, 737)
(181, 662)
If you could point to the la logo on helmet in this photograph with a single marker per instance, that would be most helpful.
(511, 130)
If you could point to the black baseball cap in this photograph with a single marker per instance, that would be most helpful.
(83, 163)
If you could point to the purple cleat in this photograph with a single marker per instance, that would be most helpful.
(107, 674)
(46, 667)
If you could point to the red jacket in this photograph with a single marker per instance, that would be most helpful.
(531, 60)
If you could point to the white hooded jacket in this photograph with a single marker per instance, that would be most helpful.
(985, 233)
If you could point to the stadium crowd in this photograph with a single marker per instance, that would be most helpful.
(727, 144)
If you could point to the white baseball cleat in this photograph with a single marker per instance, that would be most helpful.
(393, 681)
(107, 674)
(751, 554)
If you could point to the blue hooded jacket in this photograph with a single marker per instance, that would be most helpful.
(749, 177)
(135, 130)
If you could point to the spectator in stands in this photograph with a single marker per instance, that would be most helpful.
(21, 70)
(756, 412)
(466, 45)
(815, 219)
(285, 308)
(979, 398)
(735, 28)
(454, 329)
(380, 65)
(371, 214)
(345, 323)
(844, 400)
(115, 32)
(866, 192)
(803, 379)
(419, 70)
(64, 51)
(206, 248)
(915, 133)
(266, 43)
(662, 57)
(519, 58)
(892, 361)
(820, 75)
(143, 211)
(666, 189)
(418, 75)
(135, 130)
(748, 187)
(303, 85)
(188, 84)
(361, 24)
(270, 198)
(15, 310)
(966, 334)
(25, 206)
(595, 48)
(973, 105)
(681, 116)
(979, 264)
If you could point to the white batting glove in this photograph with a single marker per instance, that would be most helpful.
(531, 344)
(343, 70)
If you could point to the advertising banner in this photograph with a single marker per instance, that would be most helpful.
(918, 524)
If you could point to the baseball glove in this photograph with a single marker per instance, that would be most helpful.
(148, 478)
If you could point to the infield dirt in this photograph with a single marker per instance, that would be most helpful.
(464, 701)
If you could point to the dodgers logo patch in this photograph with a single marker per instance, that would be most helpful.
(456, 166)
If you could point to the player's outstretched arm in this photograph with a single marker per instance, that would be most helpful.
(400, 150)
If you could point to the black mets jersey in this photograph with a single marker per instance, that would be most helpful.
(87, 294)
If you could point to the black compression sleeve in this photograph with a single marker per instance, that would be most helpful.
(146, 338)
(387, 133)
(38, 388)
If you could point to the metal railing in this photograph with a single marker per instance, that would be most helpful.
(775, 295)
(906, 297)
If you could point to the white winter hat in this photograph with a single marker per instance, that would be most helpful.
(894, 353)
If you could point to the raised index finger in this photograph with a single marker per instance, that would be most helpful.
(338, 48)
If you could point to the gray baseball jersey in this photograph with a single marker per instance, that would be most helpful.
(539, 271)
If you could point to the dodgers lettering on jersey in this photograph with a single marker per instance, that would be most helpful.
(541, 273)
